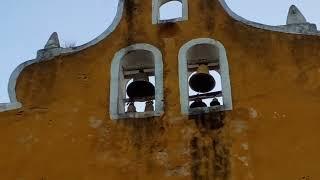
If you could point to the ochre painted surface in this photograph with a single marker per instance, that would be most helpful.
(63, 131)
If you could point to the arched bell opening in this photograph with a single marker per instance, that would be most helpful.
(137, 69)
(204, 77)
(136, 83)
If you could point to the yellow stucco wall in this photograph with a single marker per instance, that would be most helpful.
(63, 131)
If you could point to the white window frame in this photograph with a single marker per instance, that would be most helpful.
(224, 73)
(116, 101)
(156, 4)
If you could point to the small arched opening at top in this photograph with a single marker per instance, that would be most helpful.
(169, 11)
(204, 77)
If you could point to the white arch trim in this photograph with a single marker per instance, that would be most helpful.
(183, 74)
(14, 104)
(114, 82)
(156, 4)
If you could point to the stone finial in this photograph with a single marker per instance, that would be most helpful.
(295, 16)
(53, 41)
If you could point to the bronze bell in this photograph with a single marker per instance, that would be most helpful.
(198, 103)
(202, 81)
(214, 102)
(149, 106)
(140, 87)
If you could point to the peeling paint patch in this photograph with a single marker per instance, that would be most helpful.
(162, 157)
(179, 171)
(244, 160)
(95, 123)
(253, 113)
(187, 132)
(239, 126)
(306, 178)
(277, 115)
(26, 140)
(245, 146)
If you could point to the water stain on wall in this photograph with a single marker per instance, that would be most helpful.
(209, 150)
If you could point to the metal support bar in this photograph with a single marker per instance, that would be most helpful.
(142, 99)
(130, 74)
(212, 66)
(206, 95)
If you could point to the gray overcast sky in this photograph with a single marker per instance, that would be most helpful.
(26, 25)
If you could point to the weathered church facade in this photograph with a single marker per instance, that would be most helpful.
(205, 96)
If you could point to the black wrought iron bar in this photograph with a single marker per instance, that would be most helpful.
(142, 99)
(212, 66)
(131, 74)
(206, 95)
(209, 62)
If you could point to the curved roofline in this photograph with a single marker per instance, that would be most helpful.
(14, 104)
(105, 34)
(281, 28)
